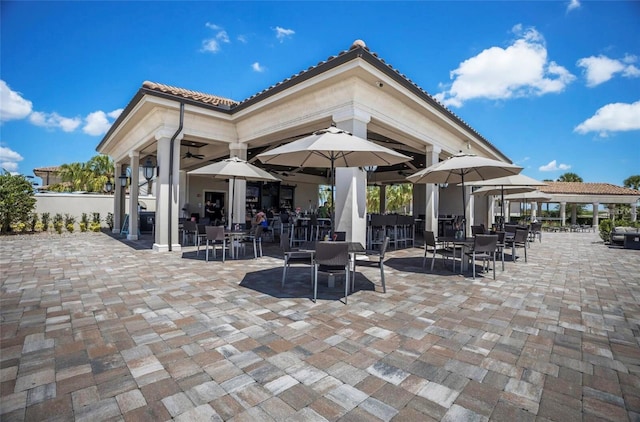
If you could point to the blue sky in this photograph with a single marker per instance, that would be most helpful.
(555, 85)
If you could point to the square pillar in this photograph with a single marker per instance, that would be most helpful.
(118, 199)
(351, 182)
(168, 195)
(432, 192)
(134, 157)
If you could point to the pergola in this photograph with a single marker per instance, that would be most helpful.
(179, 130)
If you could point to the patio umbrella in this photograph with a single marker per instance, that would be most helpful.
(461, 168)
(331, 148)
(517, 183)
(533, 196)
(234, 168)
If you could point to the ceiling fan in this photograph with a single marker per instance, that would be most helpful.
(189, 154)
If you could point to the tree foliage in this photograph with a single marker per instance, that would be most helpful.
(90, 176)
(632, 182)
(569, 177)
(17, 200)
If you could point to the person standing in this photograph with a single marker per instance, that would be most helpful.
(209, 211)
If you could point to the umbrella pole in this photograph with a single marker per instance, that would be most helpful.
(464, 209)
(502, 203)
(233, 185)
(332, 210)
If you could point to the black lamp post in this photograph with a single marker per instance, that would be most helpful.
(148, 169)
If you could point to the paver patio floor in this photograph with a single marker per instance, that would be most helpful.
(96, 329)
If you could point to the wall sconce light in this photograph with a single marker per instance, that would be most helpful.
(108, 187)
(123, 180)
(148, 169)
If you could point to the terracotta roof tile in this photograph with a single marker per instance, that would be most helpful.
(193, 95)
(587, 189)
(50, 168)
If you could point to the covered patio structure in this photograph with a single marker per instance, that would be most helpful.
(595, 194)
(179, 130)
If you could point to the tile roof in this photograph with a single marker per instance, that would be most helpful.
(45, 169)
(581, 188)
(193, 95)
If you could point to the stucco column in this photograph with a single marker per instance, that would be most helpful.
(432, 194)
(491, 210)
(351, 182)
(612, 212)
(634, 212)
(239, 193)
(534, 211)
(574, 213)
(507, 211)
(594, 220)
(134, 157)
(563, 213)
(168, 194)
(118, 198)
(469, 201)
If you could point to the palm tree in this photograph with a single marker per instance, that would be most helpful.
(76, 175)
(569, 177)
(102, 168)
(632, 182)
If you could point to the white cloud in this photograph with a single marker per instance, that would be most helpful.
(573, 4)
(282, 33)
(257, 67)
(615, 117)
(212, 45)
(97, 123)
(12, 105)
(554, 166)
(54, 121)
(9, 159)
(9, 166)
(520, 70)
(601, 69)
(243, 39)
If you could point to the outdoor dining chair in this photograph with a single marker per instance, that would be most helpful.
(373, 257)
(501, 245)
(430, 243)
(485, 249)
(189, 230)
(294, 256)
(216, 237)
(331, 258)
(519, 240)
(255, 237)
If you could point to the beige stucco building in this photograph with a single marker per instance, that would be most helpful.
(180, 130)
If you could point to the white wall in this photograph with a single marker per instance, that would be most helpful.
(75, 204)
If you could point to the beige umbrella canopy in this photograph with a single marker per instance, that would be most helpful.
(517, 183)
(234, 168)
(525, 197)
(461, 168)
(331, 148)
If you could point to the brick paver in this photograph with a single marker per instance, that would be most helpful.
(96, 328)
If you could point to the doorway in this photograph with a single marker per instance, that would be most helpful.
(216, 198)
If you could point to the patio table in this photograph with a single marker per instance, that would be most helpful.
(235, 237)
(355, 248)
(462, 244)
